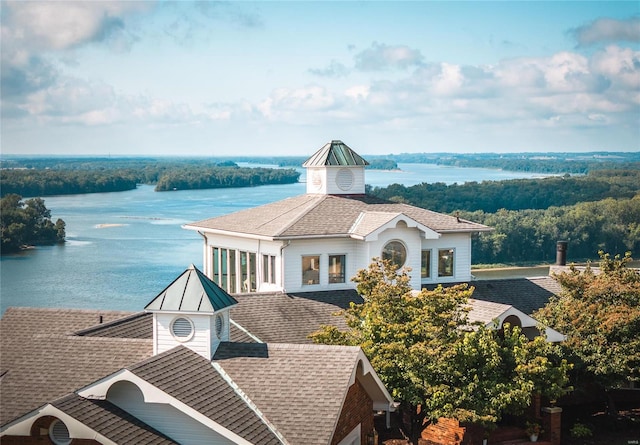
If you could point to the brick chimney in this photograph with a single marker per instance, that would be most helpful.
(561, 253)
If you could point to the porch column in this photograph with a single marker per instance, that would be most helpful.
(551, 424)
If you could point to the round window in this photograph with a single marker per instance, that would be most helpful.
(182, 329)
(58, 433)
(219, 325)
(395, 252)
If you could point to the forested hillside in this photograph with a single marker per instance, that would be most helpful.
(599, 211)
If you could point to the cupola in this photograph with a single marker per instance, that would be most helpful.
(192, 311)
(335, 169)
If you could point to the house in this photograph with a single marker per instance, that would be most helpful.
(317, 241)
(298, 254)
(179, 372)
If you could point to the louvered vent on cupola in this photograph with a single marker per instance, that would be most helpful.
(192, 311)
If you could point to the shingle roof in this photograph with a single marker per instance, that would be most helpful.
(327, 215)
(300, 388)
(525, 294)
(335, 153)
(42, 361)
(107, 419)
(192, 291)
(138, 325)
(290, 318)
(192, 379)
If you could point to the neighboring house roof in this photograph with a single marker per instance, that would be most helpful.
(192, 291)
(273, 375)
(110, 421)
(525, 294)
(190, 378)
(42, 360)
(335, 153)
(312, 215)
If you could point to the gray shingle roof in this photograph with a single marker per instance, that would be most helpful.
(192, 291)
(192, 379)
(290, 318)
(335, 153)
(42, 361)
(300, 388)
(525, 294)
(327, 215)
(107, 419)
(138, 325)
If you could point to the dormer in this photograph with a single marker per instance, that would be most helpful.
(192, 311)
(335, 169)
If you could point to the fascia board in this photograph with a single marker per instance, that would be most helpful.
(206, 231)
(427, 233)
(77, 429)
(152, 394)
(552, 335)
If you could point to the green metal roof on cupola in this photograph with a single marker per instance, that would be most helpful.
(335, 153)
(192, 291)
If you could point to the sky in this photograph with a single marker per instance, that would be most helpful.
(283, 78)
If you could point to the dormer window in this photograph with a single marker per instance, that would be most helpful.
(182, 329)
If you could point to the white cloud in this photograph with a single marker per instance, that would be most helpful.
(608, 30)
(382, 57)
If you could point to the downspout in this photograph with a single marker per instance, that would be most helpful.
(282, 264)
(205, 264)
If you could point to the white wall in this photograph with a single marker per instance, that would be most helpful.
(199, 343)
(163, 417)
(328, 184)
(461, 243)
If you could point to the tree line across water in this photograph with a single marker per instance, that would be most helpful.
(597, 211)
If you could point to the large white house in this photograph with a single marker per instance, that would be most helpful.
(319, 240)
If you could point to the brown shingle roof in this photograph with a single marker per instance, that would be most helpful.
(107, 419)
(326, 215)
(42, 361)
(192, 379)
(300, 388)
(138, 325)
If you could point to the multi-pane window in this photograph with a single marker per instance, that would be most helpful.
(268, 269)
(445, 262)
(425, 266)
(337, 268)
(311, 269)
(234, 270)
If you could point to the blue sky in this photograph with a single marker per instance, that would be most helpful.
(283, 78)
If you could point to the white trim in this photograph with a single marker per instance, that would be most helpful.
(77, 430)
(354, 435)
(153, 394)
(173, 333)
(227, 232)
(244, 330)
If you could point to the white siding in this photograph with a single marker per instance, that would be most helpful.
(412, 240)
(461, 243)
(200, 342)
(327, 184)
(322, 247)
(163, 417)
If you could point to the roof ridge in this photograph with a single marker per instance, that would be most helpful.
(311, 198)
(111, 323)
(247, 400)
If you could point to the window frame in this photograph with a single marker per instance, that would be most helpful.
(342, 264)
(314, 272)
(442, 274)
(425, 270)
(404, 247)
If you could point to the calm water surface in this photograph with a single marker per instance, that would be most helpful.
(124, 248)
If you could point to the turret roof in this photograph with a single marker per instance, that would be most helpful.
(335, 153)
(192, 291)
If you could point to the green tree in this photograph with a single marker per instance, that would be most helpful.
(429, 355)
(599, 311)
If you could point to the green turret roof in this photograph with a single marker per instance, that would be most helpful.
(335, 153)
(192, 291)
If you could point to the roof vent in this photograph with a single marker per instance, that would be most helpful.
(59, 433)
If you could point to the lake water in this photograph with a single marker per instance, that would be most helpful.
(124, 248)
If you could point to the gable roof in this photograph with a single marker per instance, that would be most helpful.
(192, 291)
(335, 153)
(110, 421)
(42, 360)
(312, 215)
(190, 378)
(272, 376)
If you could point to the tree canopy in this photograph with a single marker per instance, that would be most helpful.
(428, 353)
(27, 223)
(599, 311)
